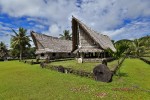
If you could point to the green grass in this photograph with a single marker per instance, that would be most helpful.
(19, 81)
(75, 65)
(87, 66)
(112, 64)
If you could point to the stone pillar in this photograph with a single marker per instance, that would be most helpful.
(80, 60)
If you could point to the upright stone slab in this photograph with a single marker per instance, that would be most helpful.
(80, 60)
(61, 69)
(104, 61)
(42, 64)
(102, 73)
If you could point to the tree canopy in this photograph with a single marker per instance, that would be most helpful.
(66, 35)
(20, 41)
(3, 50)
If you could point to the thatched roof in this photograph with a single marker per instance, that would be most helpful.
(87, 50)
(103, 41)
(46, 44)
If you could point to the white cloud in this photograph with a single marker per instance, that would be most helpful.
(6, 39)
(39, 26)
(54, 29)
(101, 15)
(113, 33)
(133, 30)
(20, 8)
(108, 14)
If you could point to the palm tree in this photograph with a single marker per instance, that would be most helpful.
(138, 47)
(66, 35)
(20, 41)
(3, 50)
(146, 41)
(122, 50)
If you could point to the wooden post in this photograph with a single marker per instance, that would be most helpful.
(104, 55)
(82, 55)
(101, 55)
(98, 54)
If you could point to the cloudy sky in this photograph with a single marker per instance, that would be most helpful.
(119, 19)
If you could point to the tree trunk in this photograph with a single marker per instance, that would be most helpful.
(119, 65)
(20, 55)
(20, 52)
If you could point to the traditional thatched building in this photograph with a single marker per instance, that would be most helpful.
(88, 44)
(48, 47)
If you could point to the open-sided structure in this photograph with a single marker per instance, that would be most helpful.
(48, 47)
(88, 44)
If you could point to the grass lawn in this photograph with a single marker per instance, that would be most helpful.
(19, 81)
(75, 65)
(87, 66)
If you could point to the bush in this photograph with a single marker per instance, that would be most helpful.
(1, 59)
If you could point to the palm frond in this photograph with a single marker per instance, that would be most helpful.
(14, 32)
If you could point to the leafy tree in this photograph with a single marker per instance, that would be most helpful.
(126, 47)
(30, 52)
(3, 50)
(122, 49)
(66, 35)
(20, 41)
(146, 41)
(138, 47)
(14, 53)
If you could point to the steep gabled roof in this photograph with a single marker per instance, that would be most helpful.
(50, 44)
(103, 40)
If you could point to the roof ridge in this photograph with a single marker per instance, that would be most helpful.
(49, 36)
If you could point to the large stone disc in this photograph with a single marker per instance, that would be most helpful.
(102, 73)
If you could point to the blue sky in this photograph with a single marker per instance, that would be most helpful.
(119, 19)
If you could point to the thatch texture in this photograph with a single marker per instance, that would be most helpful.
(82, 49)
(102, 42)
(49, 44)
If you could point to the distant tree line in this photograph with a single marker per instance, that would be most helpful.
(136, 47)
(3, 50)
(131, 48)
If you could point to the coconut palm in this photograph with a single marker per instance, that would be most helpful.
(138, 47)
(66, 35)
(146, 41)
(3, 50)
(20, 41)
(122, 50)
